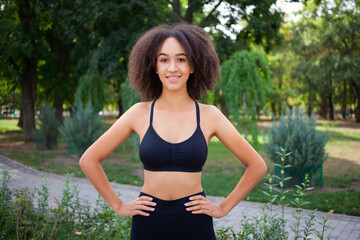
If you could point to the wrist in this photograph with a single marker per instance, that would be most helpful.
(116, 205)
(224, 209)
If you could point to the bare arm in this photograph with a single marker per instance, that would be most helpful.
(90, 163)
(255, 167)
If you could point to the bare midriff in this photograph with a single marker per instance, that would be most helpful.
(171, 185)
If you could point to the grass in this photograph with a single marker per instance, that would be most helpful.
(222, 171)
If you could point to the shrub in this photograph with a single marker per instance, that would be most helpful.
(298, 135)
(70, 218)
(47, 132)
(83, 128)
(269, 225)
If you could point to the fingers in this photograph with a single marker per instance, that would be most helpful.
(198, 204)
(142, 204)
(201, 205)
(146, 201)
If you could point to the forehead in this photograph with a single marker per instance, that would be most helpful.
(171, 46)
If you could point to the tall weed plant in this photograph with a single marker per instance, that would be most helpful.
(271, 225)
(70, 218)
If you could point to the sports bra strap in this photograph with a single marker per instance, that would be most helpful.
(197, 113)
(151, 112)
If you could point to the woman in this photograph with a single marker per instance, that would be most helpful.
(172, 66)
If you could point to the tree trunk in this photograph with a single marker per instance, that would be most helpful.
(343, 105)
(176, 10)
(310, 98)
(325, 108)
(28, 75)
(331, 106)
(21, 118)
(330, 100)
(281, 97)
(58, 105)
(28, 90)
(62, 51)
(273, 110)
(189, 13)
(357, 108)
(120, 107)
(223, 107)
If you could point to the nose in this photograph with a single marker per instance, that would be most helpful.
(172, 66)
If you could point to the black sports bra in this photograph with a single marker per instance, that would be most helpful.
(156, 154)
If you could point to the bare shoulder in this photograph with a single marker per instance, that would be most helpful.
(210, 112)
(135, 115)
(139, 108)
(211, 119)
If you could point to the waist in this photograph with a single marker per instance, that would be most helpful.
(171, 185)
(174, 202)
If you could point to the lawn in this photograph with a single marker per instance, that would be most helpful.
(341, 172)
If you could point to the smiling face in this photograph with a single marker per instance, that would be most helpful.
(172, 65)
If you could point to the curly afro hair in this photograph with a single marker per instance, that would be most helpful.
(199, 50)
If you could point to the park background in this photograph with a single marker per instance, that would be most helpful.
(68, 54)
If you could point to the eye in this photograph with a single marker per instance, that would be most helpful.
(163, 60)
(182, 60)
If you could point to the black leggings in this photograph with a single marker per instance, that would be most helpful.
(171, 221)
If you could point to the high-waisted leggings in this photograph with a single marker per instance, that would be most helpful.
(171, 221)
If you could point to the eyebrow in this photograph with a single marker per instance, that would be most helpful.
(178, 54)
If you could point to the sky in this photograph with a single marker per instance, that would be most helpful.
(289, 8)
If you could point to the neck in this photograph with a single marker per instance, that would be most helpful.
(175, 100)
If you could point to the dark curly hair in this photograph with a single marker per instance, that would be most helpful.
(199, 50)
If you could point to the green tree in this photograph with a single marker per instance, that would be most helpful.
(341, 35)
(117, 25)
(305, 45)
(261, 20)
(245, 78)
(326, 41)
(21, 47)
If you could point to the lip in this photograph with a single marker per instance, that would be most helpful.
(173, 78)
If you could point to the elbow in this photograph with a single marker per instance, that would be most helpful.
(263, 168)
(82, 161)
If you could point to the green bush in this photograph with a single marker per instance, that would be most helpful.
(298, 135)
(21, 218)
(47, 132)
(83, 128)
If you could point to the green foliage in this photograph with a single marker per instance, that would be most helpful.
(245, 80)
(271, 226)
(128, 95)
(69, 218)
(47, 132)
(128, 98)
(83, 128)
(91, 88)
(297, 135)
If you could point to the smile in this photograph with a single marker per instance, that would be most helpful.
(173, 78)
